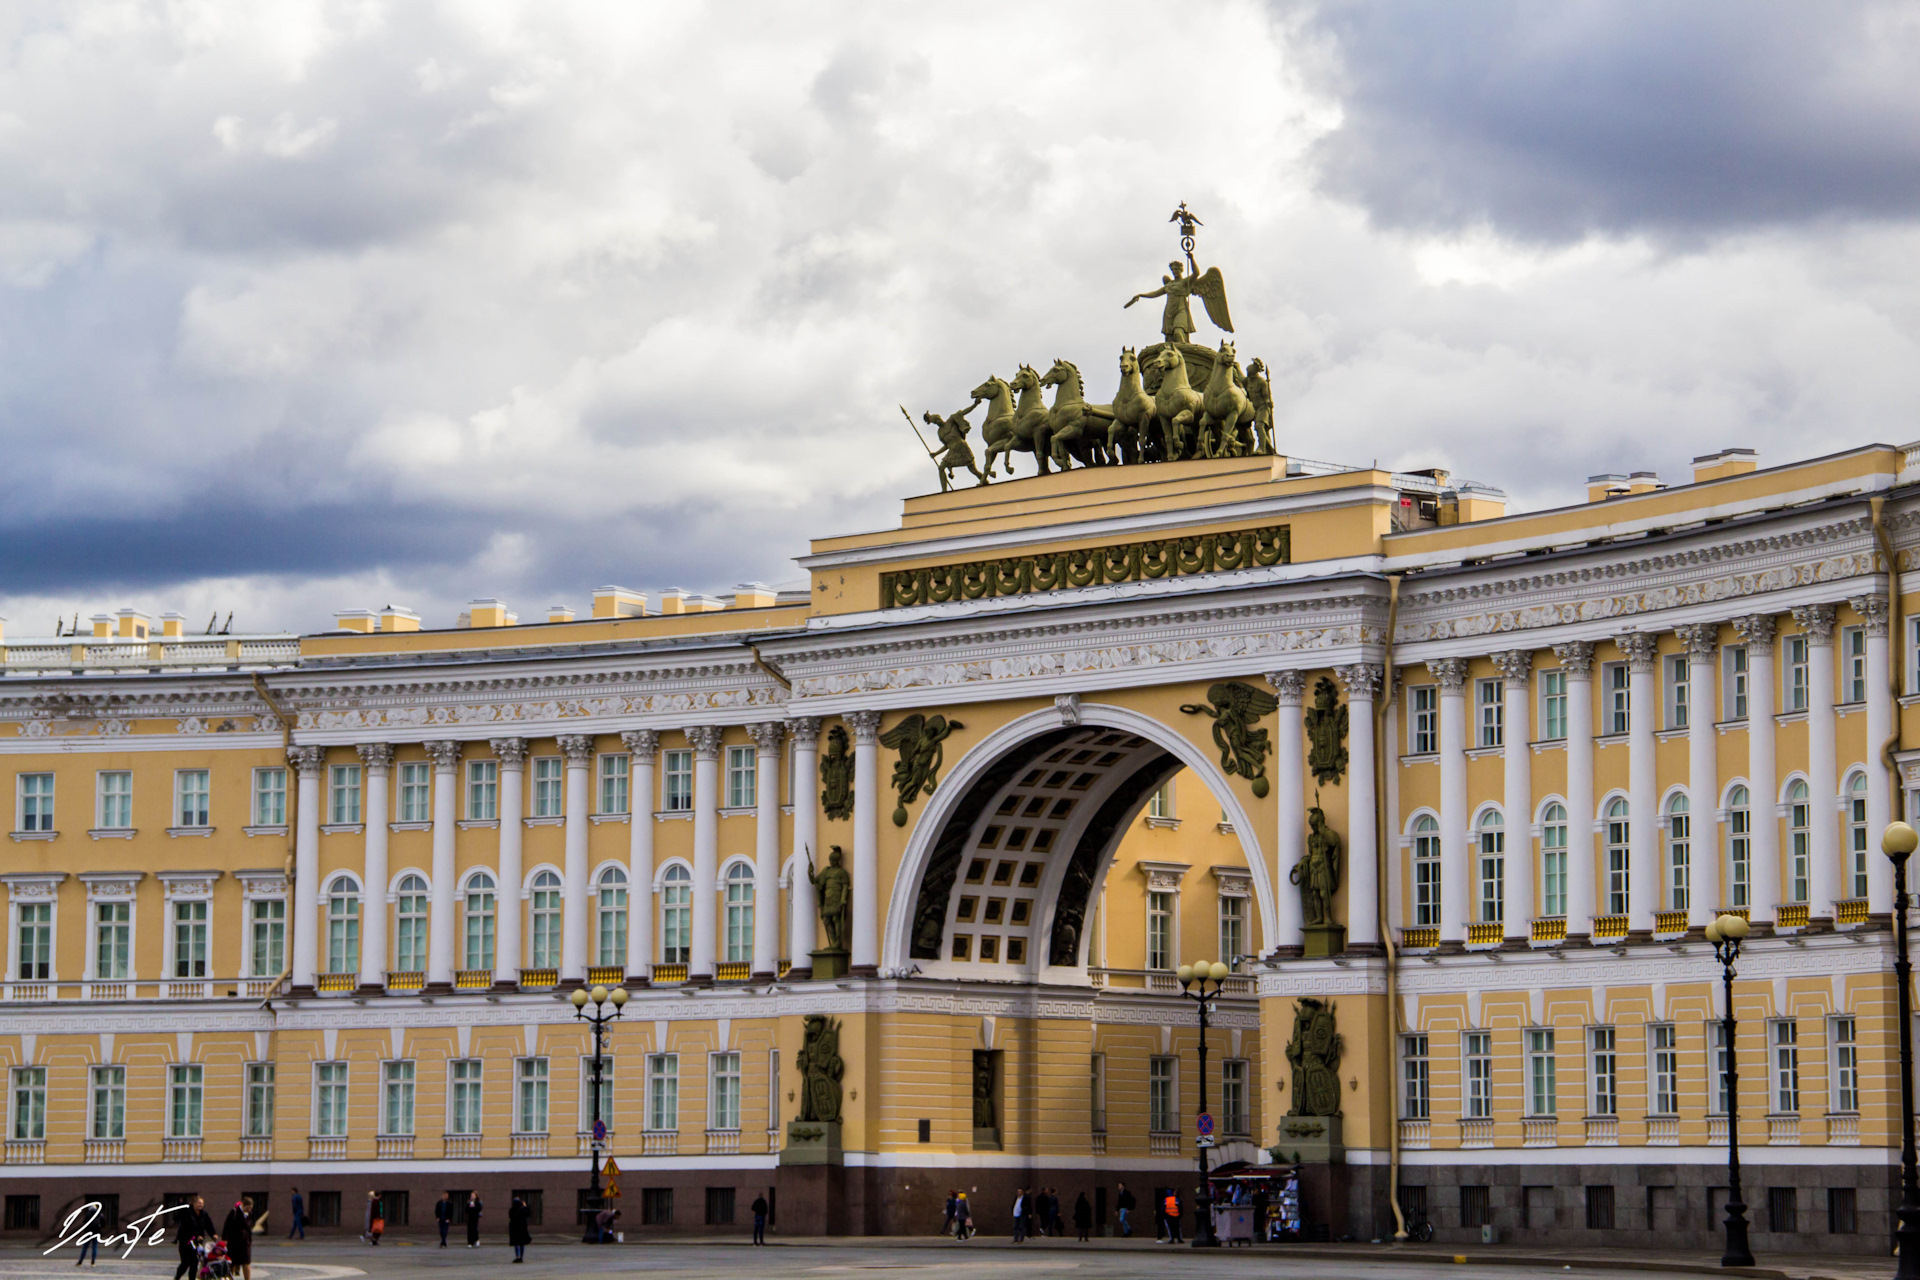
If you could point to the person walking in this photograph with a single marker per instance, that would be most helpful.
(962, 1217)
(473, 1219)
(760, 1219)
(1170, 1208)
(1082, 1215)
(517, 1234)
(443, 1216)
(375, 1224)
(953, 1204)
(1020, 1215)
(1123, 1204)
(298, 1210)
(1054, 1211)
(237, 1231)
(194, 1225)
(1261, 1201)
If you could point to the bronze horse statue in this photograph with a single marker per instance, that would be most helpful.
(1075, 424)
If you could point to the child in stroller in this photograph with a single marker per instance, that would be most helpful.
(214, 1262)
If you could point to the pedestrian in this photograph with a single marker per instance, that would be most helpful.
(1082, 1215)
(953, 1204)
(1020, 1215)
(89, 1240)
(1171, 1208)
(962, 1218)
(760, 1219)
(1053, 1211)
(603, 1225)
(299, 1211)
(1123, 1204)
(1260, 1202)
(517, 1234)
(473, 1219)
(193, 1226)
(443, 1216)
(1042, 1211)
(374, 1224)
(237, 1231)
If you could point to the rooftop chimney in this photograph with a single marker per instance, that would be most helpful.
(1727, 462)
(619, 602)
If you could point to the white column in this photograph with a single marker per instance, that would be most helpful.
(1363, 854)
(1873, 610)
(806, 828)
(865, 943)
(1756, 632)
(1826, 876)
(1703, 776)
(377, 758)
(1290, 808)
(1456, 880)
(1576, 657)
(706, 846)
(307, 762)
(767, 739)
(1516, 671)
(1643, 780)
(440, 914)
(645, 746)
(576, 925)
(511, 870)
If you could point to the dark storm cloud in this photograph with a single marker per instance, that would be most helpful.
(1551, 121)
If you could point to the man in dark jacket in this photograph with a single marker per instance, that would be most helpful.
(760, 1219)
(473, 1219)
(237, 1231)
(1082, 1215)
(193, 1223)
(299, 1211)
(1124, 1204)
(443, 1216)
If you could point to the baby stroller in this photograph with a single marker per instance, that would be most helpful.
(214, 1262)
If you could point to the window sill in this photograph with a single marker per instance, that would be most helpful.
(409, 826)
(544, 820)
(1485, 753)
(280, 830)
(1167, 824)
(740, 811)
(1224, 828)
(114, 833)
(1419, 757)
(599, 818)
(1548, 744)
(337, 828)
(1789, 717)
(1844, 709)
(1673, 733)
(1607, 740)
(177, 832)
(18, 836)
(478, 824)
(674, 815)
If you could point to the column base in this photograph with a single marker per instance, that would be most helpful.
(638, 981)
(1290, 951)
(503, 985)
(370, 989)
(863, 971)
(437, 989)
(763, 975)
(300, 993)
(800, 973)
(1366, 949)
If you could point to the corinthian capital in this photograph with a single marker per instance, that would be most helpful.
(1817, 621)
(767, 736)
(1577, 657)
(805, 730)
(377, 756)
(1362, 680)
(1515, 665)
(706, 740)
(307, 761)
(1872, 611)
(1756, 631)
(1450, 672)
(576, 747)
(1701, 638)
(1640, 647)
(866, 727)
(644, 743)
(445, 755)
(512, 752)
(1291, 686)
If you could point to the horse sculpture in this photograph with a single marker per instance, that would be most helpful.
(1227, 410)
(1132, 412)
(1177, 407)
(1032, 420)
(1074, 423)
(997, 431)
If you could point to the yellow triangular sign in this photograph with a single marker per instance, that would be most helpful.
(612, 1170)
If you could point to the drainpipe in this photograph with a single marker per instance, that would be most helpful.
(1380, 879)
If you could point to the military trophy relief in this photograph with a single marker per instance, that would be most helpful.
(921, 742)
(813, 1136)
(1176, 399)
(1310, 1131)
(836, 776)
(1236, 709)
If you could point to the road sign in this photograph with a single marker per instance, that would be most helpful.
(612, 1170)
(599, 1132)
(610, 1192)
(1205, 1125)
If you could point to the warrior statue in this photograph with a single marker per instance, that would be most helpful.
(834, 885)
(1318, 874)
(821, 1070)
(956, 453)
(1314, 1055)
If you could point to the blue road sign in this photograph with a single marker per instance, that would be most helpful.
(1205, 1125)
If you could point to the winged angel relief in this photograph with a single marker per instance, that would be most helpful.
(920, 741)
(1235, 709)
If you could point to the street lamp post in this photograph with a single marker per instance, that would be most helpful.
(1898, 844)
(600, 998)
(1192, 976)
(1725, 933)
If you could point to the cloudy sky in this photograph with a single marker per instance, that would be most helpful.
(312, 306)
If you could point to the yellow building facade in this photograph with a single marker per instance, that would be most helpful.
(305, 911)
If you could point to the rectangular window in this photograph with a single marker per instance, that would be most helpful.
(1663, 1043)
(1416, 1102)
(1553, 862)
(1163, 1102)
(1424, 733)
(1739, 853)
(190, 939)
(396, 1105)
(109, 1088)
(116, 800)
(185, 1086)
(1603, 1067)
(1619, 699)
(1491, 698)
(463, 1106)
(1600, 1208)
(329, 1099)
(1795, 677)
(587, 1091)
(1479, 1054)
(676, 781)
(29, 1104)
(1846, 1067)
(191, 802)
(267, 938)
(1542, 1096)
(1159, 930)
(1493, 872)
(1233, 1096)
(415, 801)
(549, 787)
(1161, 803)
(112, 940)
(1553, 706)
(1781, 1206)
(483, 791)
(1734, 682)
(1717, 1044)
(1233, 931)
(36, 802)
(613, 784)
(259, 1099)
(1786, 1067)
(1476, 1205)
(740, 778)
(1853, 650)
(724, 1091)
(343, 790)
(269, 797)
(1679, 860)
(1677, 691)
(34, 924)
(663, 1092)
(530, 1097)
(23, 1213)
(1842, 1211)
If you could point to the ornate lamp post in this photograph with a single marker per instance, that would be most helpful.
(1725, 933)
(1197, 976)
(1898, 843)
(600, 998)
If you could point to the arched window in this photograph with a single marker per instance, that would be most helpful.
(739, 913)
(343, 926)
(676, 916)
(612, 931)
(1553, 861)
(1857, 833)
(544, 953)
(1679, 853)
(1739, 847)
(410, 926)
(1617, 857)
(1799, 841)
(1493, 867)
(1426, 871)
(479, 913)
